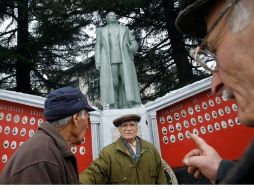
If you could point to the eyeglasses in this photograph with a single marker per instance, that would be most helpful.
(201, 54)
(131, 124)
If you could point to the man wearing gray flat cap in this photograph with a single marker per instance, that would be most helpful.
(129, 160)
(226, 27)
(45, 158)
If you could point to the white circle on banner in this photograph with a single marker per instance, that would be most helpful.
(172, 138)
(40, 122)
(1, 115)
(169, 119)
(186, 124)
(197, 108)
(190, 111)
(203, 130)
(32, 121)
(230, 122)
(178, 126)
(4, 158)
(21, 143)
(193, 121)
(200, 119)
(183, 112)
(207, 117)
(214, 114)
(227, 109)
(13, 145)
(23, 132)
(24, 120)
(164, 130)
(211, 103)
(7, 130)
(171, 128)
(177, 116)
(237, 121)
(180, 136)
(221, 112)
(234, 107)
(217, 99)
(204, 105)
(83, 140)
(224, 124)
(31, 133)
(1, 128)
(162, 120)
(195, 131)
(82, 150)
(187, 134)
(217, 126)
(16, 119)
(165, 140)
(73, 149)
(210, 128)
(8, 117)
(6, 144)
(15, 131)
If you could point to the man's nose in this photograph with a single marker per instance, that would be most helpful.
(128, 127)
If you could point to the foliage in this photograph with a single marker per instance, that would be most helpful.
(56, 47)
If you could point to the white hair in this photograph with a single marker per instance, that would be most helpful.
(62, 122)
(240, 16)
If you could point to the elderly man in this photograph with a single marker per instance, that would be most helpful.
(226, 27)
(129, 160)
(45, 158)
(114, 57)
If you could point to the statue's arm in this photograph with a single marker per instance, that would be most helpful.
(97, 50)
(133, 44)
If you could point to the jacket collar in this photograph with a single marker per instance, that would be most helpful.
(57, 138)
(120, 146)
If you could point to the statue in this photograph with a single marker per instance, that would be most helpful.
(114, 57)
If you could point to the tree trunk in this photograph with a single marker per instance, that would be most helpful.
(22, 63)
(179, 54)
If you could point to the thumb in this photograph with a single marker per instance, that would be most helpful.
(195, 161)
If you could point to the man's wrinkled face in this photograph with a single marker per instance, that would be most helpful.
(111, 17)
(235, 55)
(129, 130)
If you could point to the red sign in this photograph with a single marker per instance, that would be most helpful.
(211, 118)
(19, 122)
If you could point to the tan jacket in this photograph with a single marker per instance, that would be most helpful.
(115, 166)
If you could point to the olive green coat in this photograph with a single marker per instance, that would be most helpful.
(115, 166)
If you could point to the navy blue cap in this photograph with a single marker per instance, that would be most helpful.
(65, 102)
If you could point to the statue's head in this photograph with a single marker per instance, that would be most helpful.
(111, 18)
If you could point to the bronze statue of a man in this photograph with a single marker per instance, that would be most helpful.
(114, 58)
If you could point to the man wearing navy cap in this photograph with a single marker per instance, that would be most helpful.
(226, 27)
(45, 158)
(129, 160)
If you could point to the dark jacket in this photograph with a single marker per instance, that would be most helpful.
(241, 172)
(115, 166)
(43, 159)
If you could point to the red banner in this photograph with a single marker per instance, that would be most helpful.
(19, 122)
(210, 117)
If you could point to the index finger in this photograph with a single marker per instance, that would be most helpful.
(200, 143)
